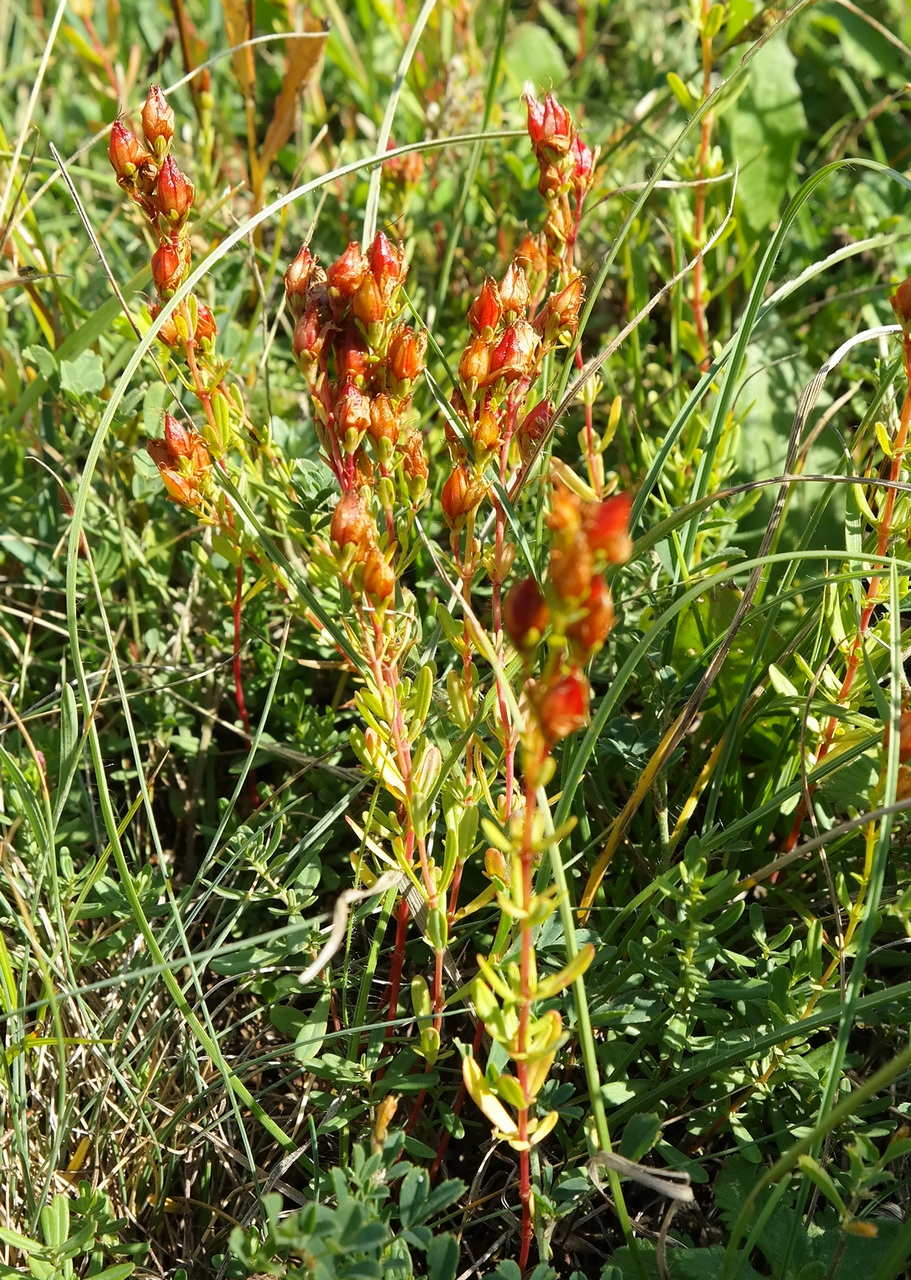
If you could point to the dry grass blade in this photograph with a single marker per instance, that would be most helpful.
(303, 62)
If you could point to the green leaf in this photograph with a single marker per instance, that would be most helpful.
(442, 1258)
(640, 1135)
(533, 54)
(766, 126)
(83, 375)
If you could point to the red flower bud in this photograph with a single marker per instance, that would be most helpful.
(559, 316)
(309, 333)
(168, 332)
(379, 580)
(348, 270)
(532, 255)
(157, 121)
(384, 423)
(386, 265)
(486, 431)
(525, 614)
(514, 355)
(168, 268)
(514, 288)
(352, 410)
(183, 462)
(350, 522)
(570, 570)
(534, 427)
(550, 126)
(475, 361)
(173, 193)
(125, 152)
(562, 706)
(583, 165)
(405, 357)
(594, 626)
(461, 493)
(367, 303)
(206, 328)
(606, 528)
(901, 303)
(297, 279)
(485, 312)
(177, 437)
(414, 464)
(351, 355)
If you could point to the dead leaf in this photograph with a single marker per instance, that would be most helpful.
(303, 61)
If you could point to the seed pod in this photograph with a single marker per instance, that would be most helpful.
(901, 304)
(589, 631)
(562, 705)
(514, 288)
(352, 410)
(168, 268)
(309, 333)
(125, 152)
(386, 265)
(534, 427)
(559, 316)
(367, 303)
(405, 356)
(348, 270)
(532, 255)
(297, 279)
(515, 354)
(475, 362)
(384, 423)
(177, 438)
(379, 579)
(206, 328)
(606, 528)
(570, 571)
(485, 312)
(485, 433)
(173, 193)
(350, 524)
(550, 127)
(461, 493)
(157, 121)
(525, 614)
(351, 356)
(583, 166)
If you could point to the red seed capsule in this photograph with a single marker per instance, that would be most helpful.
(206, 328)
(125, 152)
(350, 524)
(515, 354)
(485, 312)
(297, 279)
(167, 268)
(460, 494)
(475, 361)
(386, 265)
(550, 125)
(177, 437)
(606, 528)
(348, 270)
(367, 303)
(525, 614)
(379, 579)
(594, 626)
(384, 424)
(173, 193)
(405, 357)
(901, 303)
(157, 120)
(562, 705)
(514, 288)
(352, 410)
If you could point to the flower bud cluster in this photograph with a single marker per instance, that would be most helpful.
(152, 179)
(501, 361)
(361, 365)
(575, 603)
(566, 167)
(184, 463)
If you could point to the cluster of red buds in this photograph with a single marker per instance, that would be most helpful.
(184, 463)
(575, 604)
(510, 336)
(566, 167)
(361, 365)
(150, 176)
